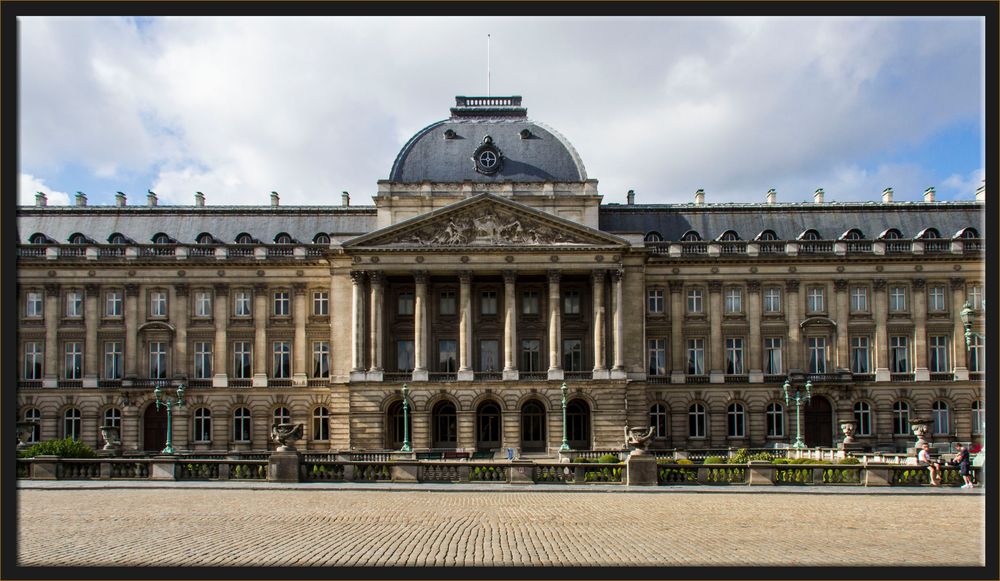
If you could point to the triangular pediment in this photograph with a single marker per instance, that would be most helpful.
(486, 220)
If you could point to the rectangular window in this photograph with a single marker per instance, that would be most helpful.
(860, 355)
(447, 302)
(242, 359)
(404, 355)
(696, 356)
(817, 354)
(33, 304)
(281, 361)
(202, 360)
(447, 354)
(489, 355)
(113, 360)
(158, 303)
(33, 360)
(772, 356)
(975, 296)
(859, 299)
(113, 302)
(74, 360)
(529, 302)
(203, 304)
(321, 359)
(241, 304)
(654, 301)
(815, 302)
(74, 304)
(404, 304)
(734, 356)
(657, 356)
(938, 345)
(571, 302)
(694, 301)
(158, 360)
(321, 303)
(488, 303)
(897, 299)
(530, 359)
(772, 300)
(899, 360)
(935, 299)
(734, 300)
(282, 303)
(572, 355)
(976, 354)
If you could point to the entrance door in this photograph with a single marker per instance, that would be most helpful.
(154, 429)
(533, 427)
(488, 427)
(818, 423)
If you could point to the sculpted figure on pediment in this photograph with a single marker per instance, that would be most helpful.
(488, 227)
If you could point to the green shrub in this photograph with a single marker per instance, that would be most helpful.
(582, 460)
(780, 461)
(849, 460)
(68, 448)
(683, 461)
(740, 457)
(761, 457)
(608, 459)
(714, 460)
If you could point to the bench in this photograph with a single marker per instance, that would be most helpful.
(456, 455)
(429, 455)
(482, 455)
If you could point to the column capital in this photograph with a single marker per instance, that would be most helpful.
(840, 285)
(131, 290)
(919, 284)
(420, 276)
(92, 289)
(676, 286)
(182, 289)
(753, 286)
(509, 276)
(715, 286)
(792, 285)
(260, 287)
(358, 277)
(52, 288)
(465, 276)
(957, 283)
(597, 275)
(299, 288)
(878, 284)
(553, 276)
(377, 277)
(617, 274)
(221, 290)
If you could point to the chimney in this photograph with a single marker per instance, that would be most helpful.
(772, 196)
(699, 197)
(120, 199)
(40, 199)
(887, 195)
(81, 199)
(630, 196)
(345, 199)
(818, 196)
(150, 198)
(199, 199)
(980, 192)
(274, 199)
(929, 194)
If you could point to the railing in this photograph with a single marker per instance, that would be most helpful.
(240, 251)
(595, 454)
(395, 376)
(321, 471)
(898, 246)
(318, 381)
(823, 377)
(859, 247)
(935, 246)
(694, 248)
(771, 378)
(532, 375)
(942, 376)
(487, 101)
(371, 457)
(657, 379)
(31, 252)
(201, 251)
(578, 375)
(273, 382)
(110, 251)
(109, 383)
(442, 376)
(696, 378)
(199, 383)
(71, 383)
(658, 247)
(157, 250)
(240, 382)
(315, 251)
(279, 251)
(771, 247)
(976, 376)
(818, 247)
(488, 375)
(72, 251)
(863, 376)
(29, 384)
(972, 245)
(900, 377)
(733, 248)
(737, 378)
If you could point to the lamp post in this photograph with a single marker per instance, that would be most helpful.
(968, 315)
(565, 443)
(170, 404)
(799, 399)
(406, 420)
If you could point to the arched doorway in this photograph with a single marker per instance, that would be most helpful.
(394, 427)
(444, 425)
(154, 429)
(817, 419)
(578, 424)
(533, 427)
(488, 426)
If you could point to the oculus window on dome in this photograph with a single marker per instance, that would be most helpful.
(488, 157)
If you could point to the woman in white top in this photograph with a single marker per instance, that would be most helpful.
(924, 459)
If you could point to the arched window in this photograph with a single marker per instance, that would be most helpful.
(968, 233)
(853, 234)
(578, 424)
(282, 416)
(444, 425)
(117, 238)
(38, 238)
(939, 411)
(321, 238)
(244, 238)
(929, 233)
(696, 421)
(767, 235)
(241, 425)
(321, 424)
(113, 417)
(900, 418)
(34, 415)
(978, 417)
(729, 236)
(283, 238)
(202, 425)
(691, 236)
(736, 420)
(77, 238)
(205, 238)
(863, 418)
(161, 238)
(891, 234)
(533, 427)
(775, 413)
(658, 420)
(488, 426)
(71, 423)
(810, 234)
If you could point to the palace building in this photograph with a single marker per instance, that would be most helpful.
(487, 274)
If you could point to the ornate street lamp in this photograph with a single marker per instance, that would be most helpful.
(565, 443)
(799, 399)
(968, 315)
(406, 420)
(170, 404)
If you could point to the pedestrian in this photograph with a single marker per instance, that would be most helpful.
(924, 459)
(964, 465)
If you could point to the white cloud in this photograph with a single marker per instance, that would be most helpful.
(28, 185)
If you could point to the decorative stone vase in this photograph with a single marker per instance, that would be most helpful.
(848, 427)
(24, 430)
(282, 434)
(112, 438)
(919, 427)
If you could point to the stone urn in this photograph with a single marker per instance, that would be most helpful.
(282, 434)
(639, 439)
(848, 427)
(919, 427)
(112, 438)
(24, 431)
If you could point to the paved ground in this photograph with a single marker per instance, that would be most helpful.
(393, 525)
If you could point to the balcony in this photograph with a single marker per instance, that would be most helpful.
(318, 381)
(694, 248)
(279, 251)
(29, 384)
(900, 377)
(816, 247)
(240, 382)
(857, 377)
(72, 251)
(657, 379)
(111, 251)
(488, 376)
(937, 246)
(283, 382)
(696, 379)
(109, 383)
(70, 383)
(737, 379)
(942, 376)
(859, 247)
(31, 252)
(828, 377)
(733, 248)
(201, 251)
(771, 248)
(241, 251)
(898, 246)
(396, 375)
(443, 376)
(578, 375)
(772, 378)
(533, 375)
(972, 245)
(977, 376)
(199, 383)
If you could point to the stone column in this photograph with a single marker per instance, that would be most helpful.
(130, 427)
(600, 371)
(357, 325)
(91, 320)
(299, 348)
(617, 279)
(420, 327)
(52, 354)
(881, 330)
(716, 356)
(179, 316)
(958, 336)
(132, 299)
(555, 327)
(377, 280)
(510, 372)
(842, 316)
(677, 348)
(220, 314)
(756, 347)
(794, 348)
(260, 319)
(465, 372)
(920, 372)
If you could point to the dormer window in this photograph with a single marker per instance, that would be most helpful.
(205, 238)
(38, 238)
(244, 238)
(691, 236)
(891, 234)
(810, 234)
(767, 235)
(283, 239)
(729, 236)
(77, 239)
(653, 236)
(321, 239)
(929, 234)
(117, 238)
(853, 234)
(161, 238)
(969, 233)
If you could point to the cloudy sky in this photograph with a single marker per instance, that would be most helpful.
(310, 107)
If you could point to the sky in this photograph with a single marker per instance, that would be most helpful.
(237, 107)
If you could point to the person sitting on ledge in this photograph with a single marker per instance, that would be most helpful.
(924, 459)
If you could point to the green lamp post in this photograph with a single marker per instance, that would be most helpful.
(406, 420)
(968, 315)
(169, 404)
(799, 399)
(565, 443)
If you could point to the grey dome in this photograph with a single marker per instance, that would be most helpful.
(443, 151)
